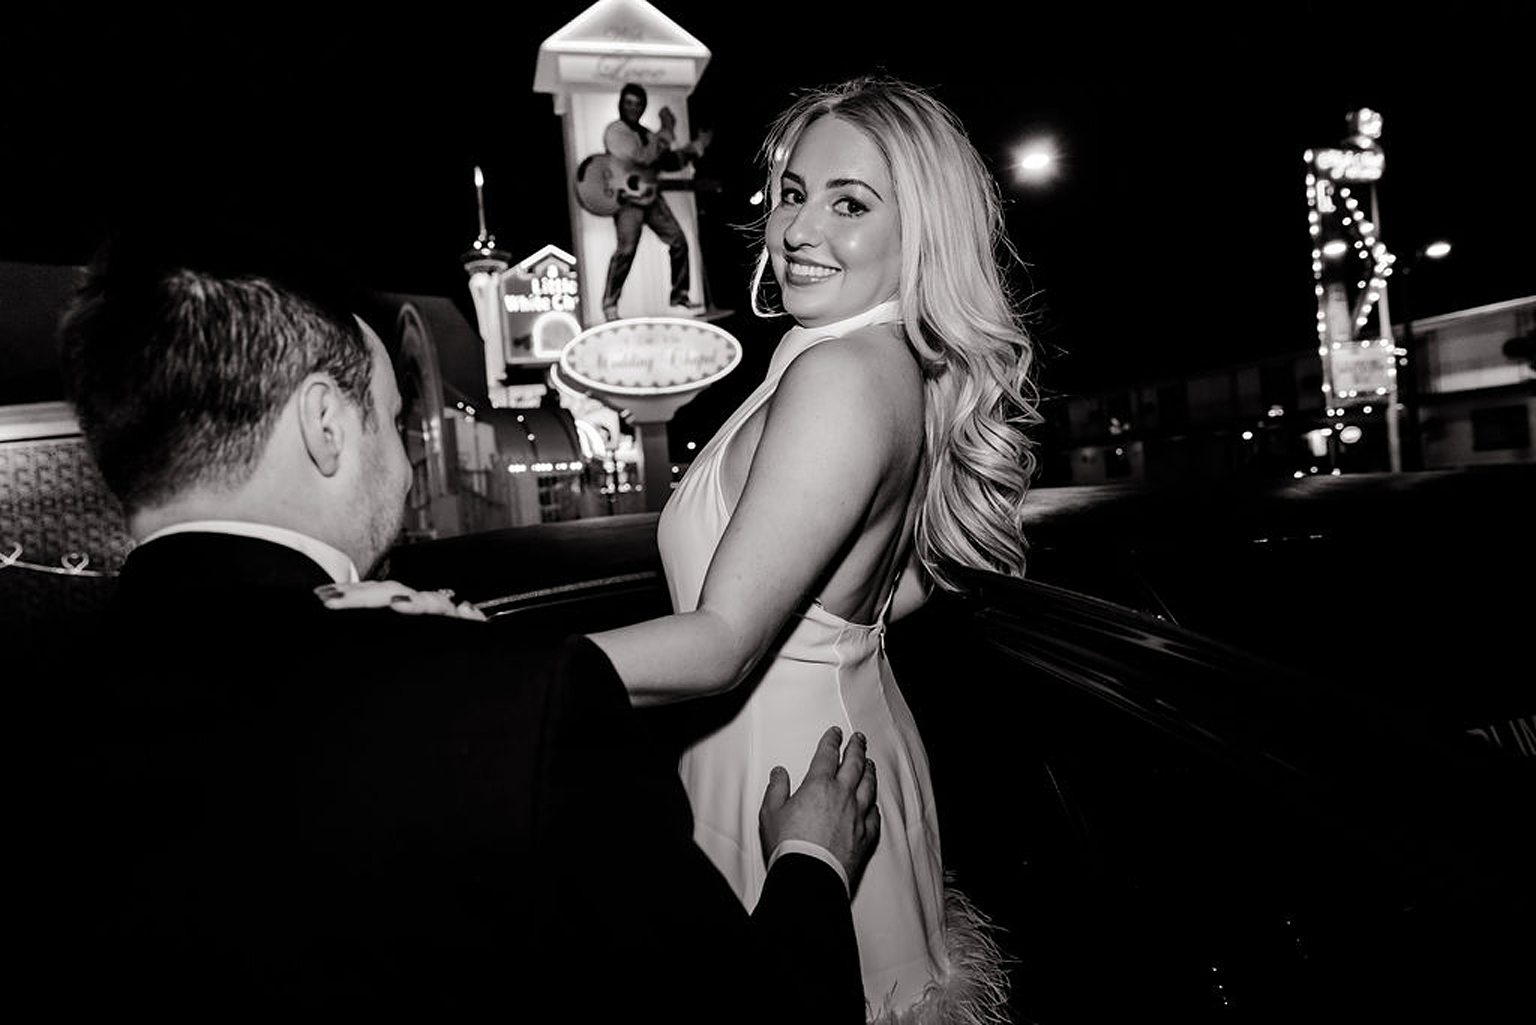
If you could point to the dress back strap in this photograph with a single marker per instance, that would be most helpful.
(890, 596)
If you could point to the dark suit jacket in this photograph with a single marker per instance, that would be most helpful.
(270, 805)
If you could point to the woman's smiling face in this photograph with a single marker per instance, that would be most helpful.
(834, 237)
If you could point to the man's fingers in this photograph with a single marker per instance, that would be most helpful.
(777, 792)
(364, 594)
(852, 769)
(824, 761)
(864, 793)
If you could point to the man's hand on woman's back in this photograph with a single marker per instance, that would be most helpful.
(834, 806)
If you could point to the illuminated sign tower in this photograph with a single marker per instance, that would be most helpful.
(485, 264)
(1350, 267)
(640, 363)
(583, 67)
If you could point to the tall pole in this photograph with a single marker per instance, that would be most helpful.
(1414, 450)
(1394, 427)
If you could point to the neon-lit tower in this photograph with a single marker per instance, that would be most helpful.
(485, 264)
(1350, 267)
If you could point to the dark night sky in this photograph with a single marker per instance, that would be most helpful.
(1175, 239)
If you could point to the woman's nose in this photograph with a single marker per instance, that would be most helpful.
(803, 229)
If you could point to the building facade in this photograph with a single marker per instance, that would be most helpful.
(1469, 398)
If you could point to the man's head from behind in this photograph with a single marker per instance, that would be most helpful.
(220, 382)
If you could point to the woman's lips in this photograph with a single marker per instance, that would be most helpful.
(802, 274)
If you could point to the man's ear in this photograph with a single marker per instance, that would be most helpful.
(322, 423)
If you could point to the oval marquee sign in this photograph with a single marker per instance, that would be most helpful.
(650, 356)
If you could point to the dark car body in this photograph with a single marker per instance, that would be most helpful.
(1239, 751)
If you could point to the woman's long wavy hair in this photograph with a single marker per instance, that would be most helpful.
(958, 313)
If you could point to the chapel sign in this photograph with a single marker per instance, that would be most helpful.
(650, 356)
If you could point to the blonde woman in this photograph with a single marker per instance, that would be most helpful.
(884, 449)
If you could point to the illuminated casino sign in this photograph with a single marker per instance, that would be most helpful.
(540, 297)
(650, 356)
(1361, 371)
(1350, 165)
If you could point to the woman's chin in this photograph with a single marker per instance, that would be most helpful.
(810, 309)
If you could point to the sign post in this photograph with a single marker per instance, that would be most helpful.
(647, 369)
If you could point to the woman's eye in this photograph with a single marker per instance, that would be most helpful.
(790, 196)
(850, 207)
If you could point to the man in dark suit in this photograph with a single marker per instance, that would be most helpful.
(269, 806)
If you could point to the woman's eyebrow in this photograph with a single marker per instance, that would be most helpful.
(834, 183)
(838, 183)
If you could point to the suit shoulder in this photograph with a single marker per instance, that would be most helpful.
(462, 646)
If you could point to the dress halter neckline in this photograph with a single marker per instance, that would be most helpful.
(883, 313)
(797, 338)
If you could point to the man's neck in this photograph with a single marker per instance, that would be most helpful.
(259, 506)
(205, 506)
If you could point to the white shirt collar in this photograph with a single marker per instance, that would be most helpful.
(335, 562)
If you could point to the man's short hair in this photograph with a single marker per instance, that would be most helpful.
(634, 89)
(179, 357)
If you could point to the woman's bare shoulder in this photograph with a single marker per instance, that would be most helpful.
(873, 363)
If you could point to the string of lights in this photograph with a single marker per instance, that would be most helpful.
(1339, 226)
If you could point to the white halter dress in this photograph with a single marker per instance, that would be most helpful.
(924, 957)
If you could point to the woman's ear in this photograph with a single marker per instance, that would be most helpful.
(322, 424)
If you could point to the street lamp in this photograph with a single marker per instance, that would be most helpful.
(1036, 161)
(1408, 384)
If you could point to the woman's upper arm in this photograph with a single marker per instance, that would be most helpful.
(825, 447)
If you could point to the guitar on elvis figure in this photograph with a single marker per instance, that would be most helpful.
(605, 182)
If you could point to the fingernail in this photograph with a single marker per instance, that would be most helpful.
(396, 599)
(327, 591)
(860, 737)
(838, 730)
